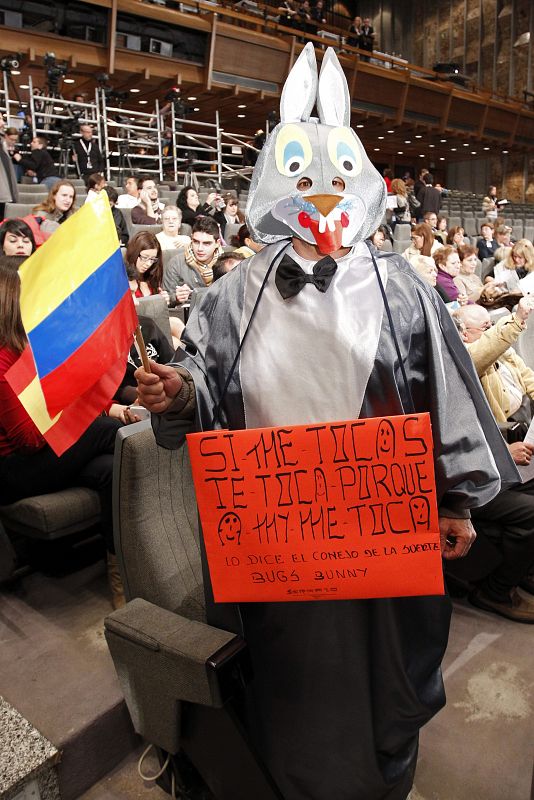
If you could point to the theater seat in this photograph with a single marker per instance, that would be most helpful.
(180, 676)
(48, 517)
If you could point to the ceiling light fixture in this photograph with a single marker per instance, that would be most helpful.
(68, 80)
(241, 116)
(191, 98)
(407, 141)
(466, 144)
(376, 149)
(196, 109)
(400, 152)
(486, 148)
(431, 145)
(505, 152)
(390, 131)
(143, 102)
(418, 136)
(24, 86)
(453, 149)
(15, 71)
(380, 137)
(134, 91)
(360, 125)
(242, 105)
(441, 158)
(473, 152)
(443, 140)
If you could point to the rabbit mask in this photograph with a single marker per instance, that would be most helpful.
(313, 179)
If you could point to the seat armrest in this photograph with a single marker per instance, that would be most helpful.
(197, 662)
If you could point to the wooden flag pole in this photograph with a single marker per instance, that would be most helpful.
(142, 349)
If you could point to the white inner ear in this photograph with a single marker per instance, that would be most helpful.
(333, 102)
(298, 94)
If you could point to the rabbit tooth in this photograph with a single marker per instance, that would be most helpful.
(322, 224)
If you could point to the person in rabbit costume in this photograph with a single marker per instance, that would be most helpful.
(316, 327)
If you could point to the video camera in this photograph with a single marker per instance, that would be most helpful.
(7, 63)
(54, 71)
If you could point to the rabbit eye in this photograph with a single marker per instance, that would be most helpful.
(344, 152)
(293, 150)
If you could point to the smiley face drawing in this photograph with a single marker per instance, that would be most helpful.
(229, 530)
(420, 513)
(385, 439)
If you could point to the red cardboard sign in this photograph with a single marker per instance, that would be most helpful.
(330, 511)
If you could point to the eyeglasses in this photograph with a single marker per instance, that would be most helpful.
(148, 259)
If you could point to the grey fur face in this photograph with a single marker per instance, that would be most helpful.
(313, 178)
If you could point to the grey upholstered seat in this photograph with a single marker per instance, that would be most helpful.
(178, 674)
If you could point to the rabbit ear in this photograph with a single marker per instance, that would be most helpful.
(333, 101)
(300, 88)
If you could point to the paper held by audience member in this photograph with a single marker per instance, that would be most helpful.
(527, 283)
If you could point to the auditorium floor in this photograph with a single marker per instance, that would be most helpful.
(478, 748)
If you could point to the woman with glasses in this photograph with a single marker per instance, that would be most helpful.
(144, 265)
(423, 243)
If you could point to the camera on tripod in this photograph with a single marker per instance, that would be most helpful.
(54, 72)
(7, 63)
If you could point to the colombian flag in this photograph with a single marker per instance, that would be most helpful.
(79, 318)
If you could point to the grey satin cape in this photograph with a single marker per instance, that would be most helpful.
(341, 688)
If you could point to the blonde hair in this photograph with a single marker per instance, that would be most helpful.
(522, 247)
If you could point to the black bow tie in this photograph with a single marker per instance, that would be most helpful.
(290, 277)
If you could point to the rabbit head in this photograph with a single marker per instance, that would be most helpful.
(313, 179)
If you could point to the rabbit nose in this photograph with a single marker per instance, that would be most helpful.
(324, 203)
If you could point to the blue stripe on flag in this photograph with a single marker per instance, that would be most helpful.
(72, 323)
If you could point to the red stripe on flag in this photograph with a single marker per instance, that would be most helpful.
(75, 419)
(110, 342)
(23, 371)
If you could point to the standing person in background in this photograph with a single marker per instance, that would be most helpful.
(388, 177)
(355, 32)
(8, 181)
(489, 204)
(430, 197)
(39, 162)
(87, 152)
(402, 213)
(367, 37)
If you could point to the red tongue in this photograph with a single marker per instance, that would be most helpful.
(329, 241)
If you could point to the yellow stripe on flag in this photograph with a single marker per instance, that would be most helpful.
(32, 399)
(77, 248)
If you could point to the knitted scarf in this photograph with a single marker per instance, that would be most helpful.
(204, 270)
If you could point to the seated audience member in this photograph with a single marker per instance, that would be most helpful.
(467, 280)
(486, 244)
(456, 236)
(189, 204)
(149, 209)
(425, 266)
(504, 242)
(244, 243)
(28, 466)
(16, 238)
(170, 237)
(130, 198)
(193, 267)
(509, 386)
(39, 162)
(517, 263)
(520, 258)
(442, 229)
(144, 265)
(230, 213)
(118, 219)
(422, 243)
(431, 218)
(58, 206)
(379, 236)
(226, 263)
(448, 264)
(95, 183)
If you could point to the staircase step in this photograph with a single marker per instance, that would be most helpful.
(56, 671)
